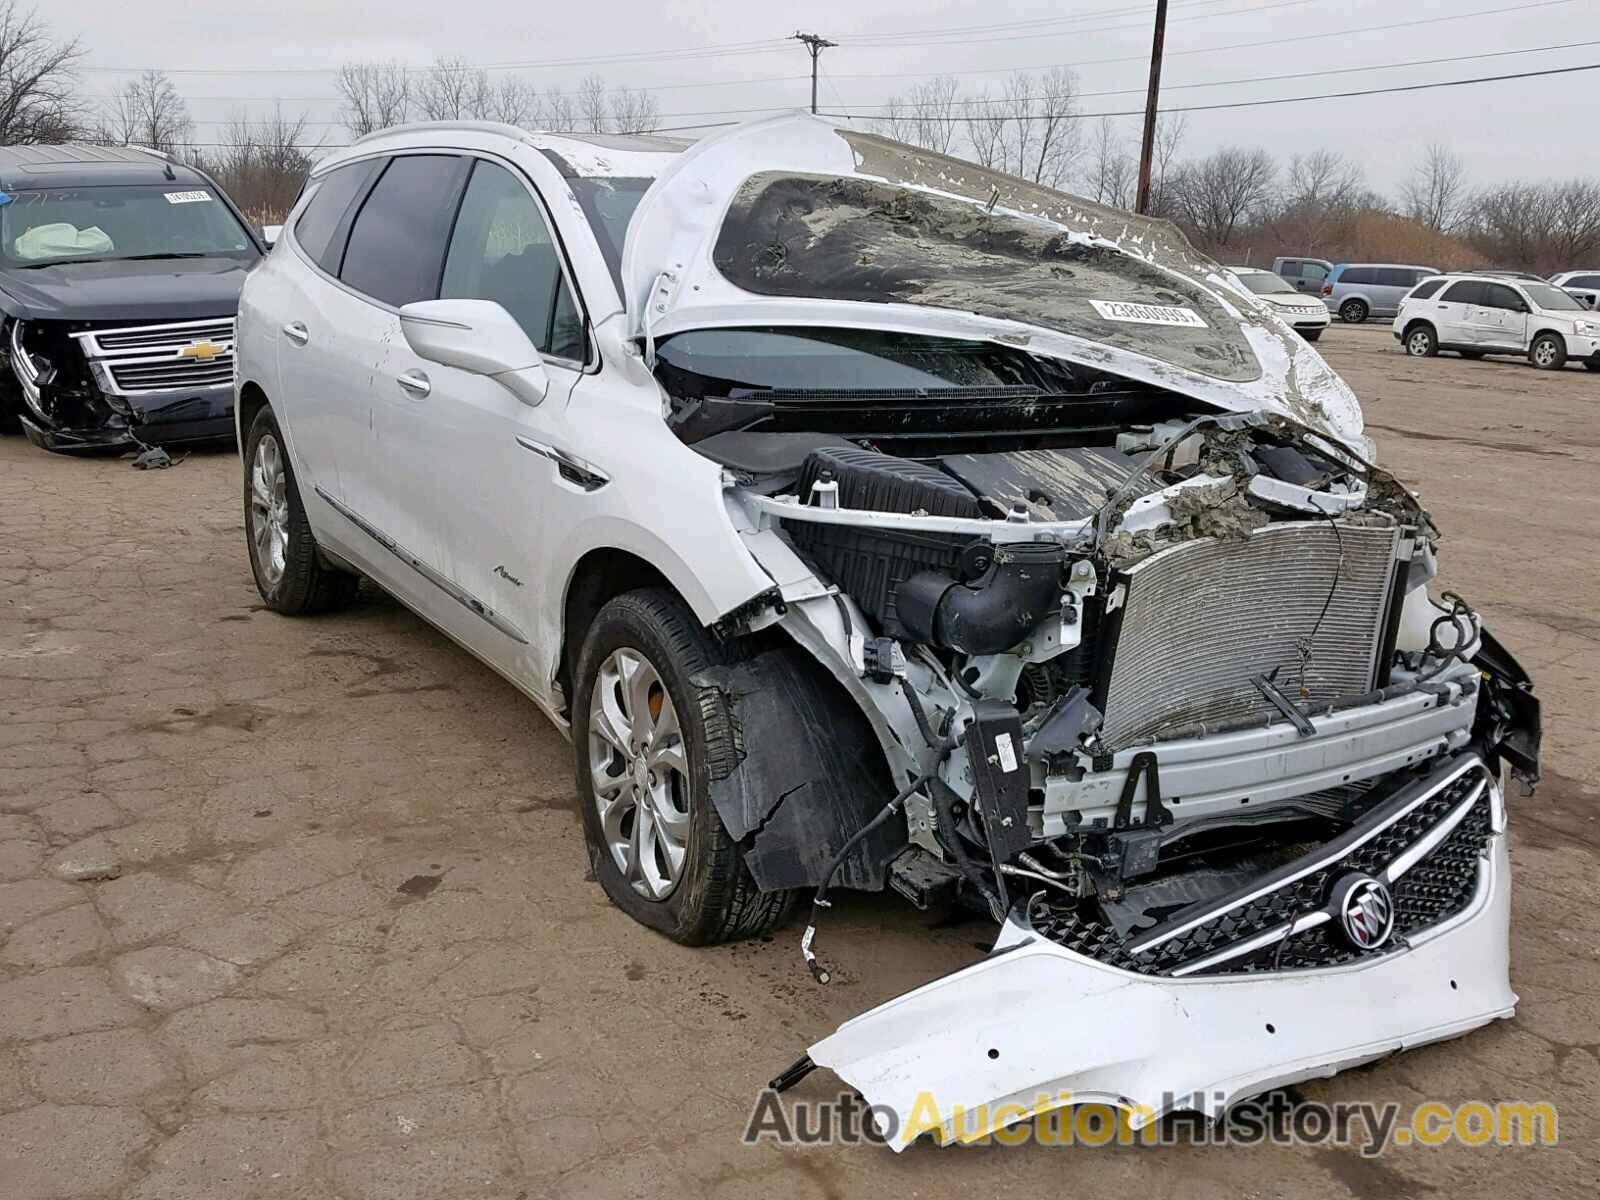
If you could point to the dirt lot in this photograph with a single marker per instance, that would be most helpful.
(298, 908)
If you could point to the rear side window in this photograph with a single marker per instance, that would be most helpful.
(1467, 291)
(324, 214)
(1396, 277)
(397, 243)
(502, 250)
(1424, 290)
(1498, 295)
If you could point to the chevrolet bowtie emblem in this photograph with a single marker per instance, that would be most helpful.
(202, 350)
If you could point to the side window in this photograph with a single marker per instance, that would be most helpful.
(1289, 269)
(1359, 275)
(1424, 290)
(1498, 295)
(1583, 281)
(397, 242)
(502, 250)
(318, 225)
(1467, 291)
(1397, 277)
(1315, 272)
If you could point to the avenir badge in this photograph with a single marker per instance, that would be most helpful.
(1148, 314)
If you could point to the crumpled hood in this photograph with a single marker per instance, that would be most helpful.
(796, 220)
(174, 289)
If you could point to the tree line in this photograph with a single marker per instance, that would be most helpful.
(1239, 203)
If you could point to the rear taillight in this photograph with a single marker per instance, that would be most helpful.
(1327, 289)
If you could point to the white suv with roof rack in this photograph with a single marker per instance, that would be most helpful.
(872, 519)
(1478, 315)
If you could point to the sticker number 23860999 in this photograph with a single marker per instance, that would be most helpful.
(1148, 314)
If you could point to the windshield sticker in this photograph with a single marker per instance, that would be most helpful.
(187, 197)
(1148, 314)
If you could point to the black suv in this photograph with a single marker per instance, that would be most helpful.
(119, 281)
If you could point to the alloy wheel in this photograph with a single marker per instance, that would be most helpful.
(639, 769)
(1544, 353)
(1418, 344)
(269, 509)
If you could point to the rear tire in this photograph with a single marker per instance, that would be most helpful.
(289, 572)
(1421, 341)
(10, 411)
(1592, 365)
(1353, 312)
(643, 755)
(1548, 352)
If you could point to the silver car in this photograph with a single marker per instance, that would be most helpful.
(1356, 291)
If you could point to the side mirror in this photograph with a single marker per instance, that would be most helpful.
(269, 234)
(478, 336)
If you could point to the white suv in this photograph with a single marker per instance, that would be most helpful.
(1475, 315)
(868, 518)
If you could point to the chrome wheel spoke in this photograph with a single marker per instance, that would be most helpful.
(269, 509)
(639, 773)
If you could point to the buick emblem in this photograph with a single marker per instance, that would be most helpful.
(1365, 910)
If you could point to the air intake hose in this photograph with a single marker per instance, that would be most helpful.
(994, 612)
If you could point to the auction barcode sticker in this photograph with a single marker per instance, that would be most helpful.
(186, 197)
(1148, 314)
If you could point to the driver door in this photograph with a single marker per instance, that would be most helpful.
(1499, 319)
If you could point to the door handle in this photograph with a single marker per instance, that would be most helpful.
(414, 383)
(297, 333)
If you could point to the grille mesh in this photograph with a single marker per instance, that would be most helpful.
(1202, 618)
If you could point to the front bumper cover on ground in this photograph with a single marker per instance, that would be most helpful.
(1036, 1026)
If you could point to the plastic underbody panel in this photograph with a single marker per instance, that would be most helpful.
(1040, 1025)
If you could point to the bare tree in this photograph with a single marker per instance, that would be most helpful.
(1110, 174)
(593, 113)
(1030, 129)
(150, 112)
(511, 101)
(1220, 195)
(633, 111)
(1538, 226)
(38, 96)
(450, 90)
(1171, 128)
(263, 163)
(1436, 193)
(927, 117)
(376, 96)
(554, 111)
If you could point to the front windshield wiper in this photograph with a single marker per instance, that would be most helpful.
(56, 262)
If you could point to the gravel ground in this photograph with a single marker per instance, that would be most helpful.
(297, 908)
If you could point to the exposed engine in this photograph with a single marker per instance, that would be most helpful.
(1152, 672)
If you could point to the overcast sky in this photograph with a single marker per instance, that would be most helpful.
(1537, 128)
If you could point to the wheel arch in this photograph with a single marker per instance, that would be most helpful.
(252, 399)
(1412, 325)
(1539, 333)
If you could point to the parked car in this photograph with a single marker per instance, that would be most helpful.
(1309, 317)
(848, 558)
(1303, 274)
(119, 279)
(1476, 315)
(1584, 285)
(1357, 291)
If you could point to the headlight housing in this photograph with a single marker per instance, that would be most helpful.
(1586, 329)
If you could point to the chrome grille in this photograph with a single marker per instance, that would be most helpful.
(1201, 619)
(161, 358)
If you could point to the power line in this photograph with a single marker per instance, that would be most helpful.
(778, 45)
(843, 104)
(1304, 37)
(1134, 112)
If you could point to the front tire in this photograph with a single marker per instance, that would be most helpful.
(644, 741)
(1548, 352)
(1421, 341)
(1353, 312)
(1312, 335)
(289, 573)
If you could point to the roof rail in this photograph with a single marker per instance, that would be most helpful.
(498, 127)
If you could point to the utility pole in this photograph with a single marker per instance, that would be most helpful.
(1152, 101)
(816, 45)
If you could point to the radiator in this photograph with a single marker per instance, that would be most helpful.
(1202, 618)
